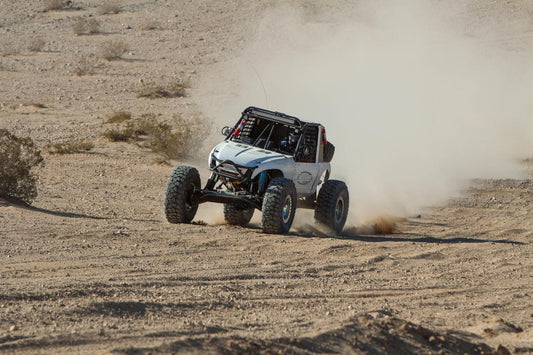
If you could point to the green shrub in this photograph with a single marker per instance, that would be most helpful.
(18, 156)
(169, 141)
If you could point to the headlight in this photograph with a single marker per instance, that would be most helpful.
(212, 161)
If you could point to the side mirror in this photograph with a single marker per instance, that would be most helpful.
(226, 130)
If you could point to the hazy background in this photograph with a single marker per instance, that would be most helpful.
(415, 102)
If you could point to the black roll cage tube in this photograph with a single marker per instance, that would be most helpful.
(242, 177)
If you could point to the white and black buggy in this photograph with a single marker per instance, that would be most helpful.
(268, 161)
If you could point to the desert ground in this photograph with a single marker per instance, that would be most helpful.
(92, 266)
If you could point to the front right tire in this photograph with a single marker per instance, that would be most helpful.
(237, 214)
(279, 206)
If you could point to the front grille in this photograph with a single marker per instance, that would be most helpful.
(229, 169)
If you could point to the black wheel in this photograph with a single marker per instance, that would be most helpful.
(279, 206)
(332, 205)
(180, 206)
(329, 150)
(238, 214)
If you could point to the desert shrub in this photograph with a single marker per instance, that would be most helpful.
(119, 116)
(154, 91)
(125, 134)
(18, 156)
(36, 44)
(168, 141)
(86, 26)
(50, 5)
(150, 25)
(113, 49)
(109, 7)
(86, 65)
(174, 143)
(115, 135)
(70, 147)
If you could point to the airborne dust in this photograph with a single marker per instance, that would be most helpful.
(415, 105)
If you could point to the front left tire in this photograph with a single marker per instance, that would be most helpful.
(180, 204)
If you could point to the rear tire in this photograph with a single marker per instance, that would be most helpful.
(237, 214)
(279, 206)
(180, 205)
(332, 205)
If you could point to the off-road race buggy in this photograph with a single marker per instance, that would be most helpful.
(268, 161)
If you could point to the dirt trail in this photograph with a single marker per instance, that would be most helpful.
(85, 280)
(94, 267)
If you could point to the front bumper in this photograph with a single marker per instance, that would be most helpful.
(206, 195)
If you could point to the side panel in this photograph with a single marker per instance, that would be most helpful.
(305, 177)
(285, 166)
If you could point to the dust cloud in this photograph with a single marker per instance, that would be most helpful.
(414, 106)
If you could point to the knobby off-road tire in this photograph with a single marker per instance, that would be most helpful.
(329, 150)
(332, 205)
(279, 206)
(237, 214)
(180, 206)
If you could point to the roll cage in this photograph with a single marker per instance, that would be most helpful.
(276, 131)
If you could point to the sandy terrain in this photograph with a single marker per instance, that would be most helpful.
(93, 266)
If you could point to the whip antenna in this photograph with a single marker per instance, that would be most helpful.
(262, 85)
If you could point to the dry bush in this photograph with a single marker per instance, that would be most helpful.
(169, 142)
(36, 44)
(119, 116)
(151, 25)
(155, 91)
(86, 65)
(113, 49)
(50, 5)
(70, 147)
(18, 156)
(121, 135)
(180, 141)
(86, 26)
(115, 135)
(109, 7)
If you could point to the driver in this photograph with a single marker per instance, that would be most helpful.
(289, 145)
